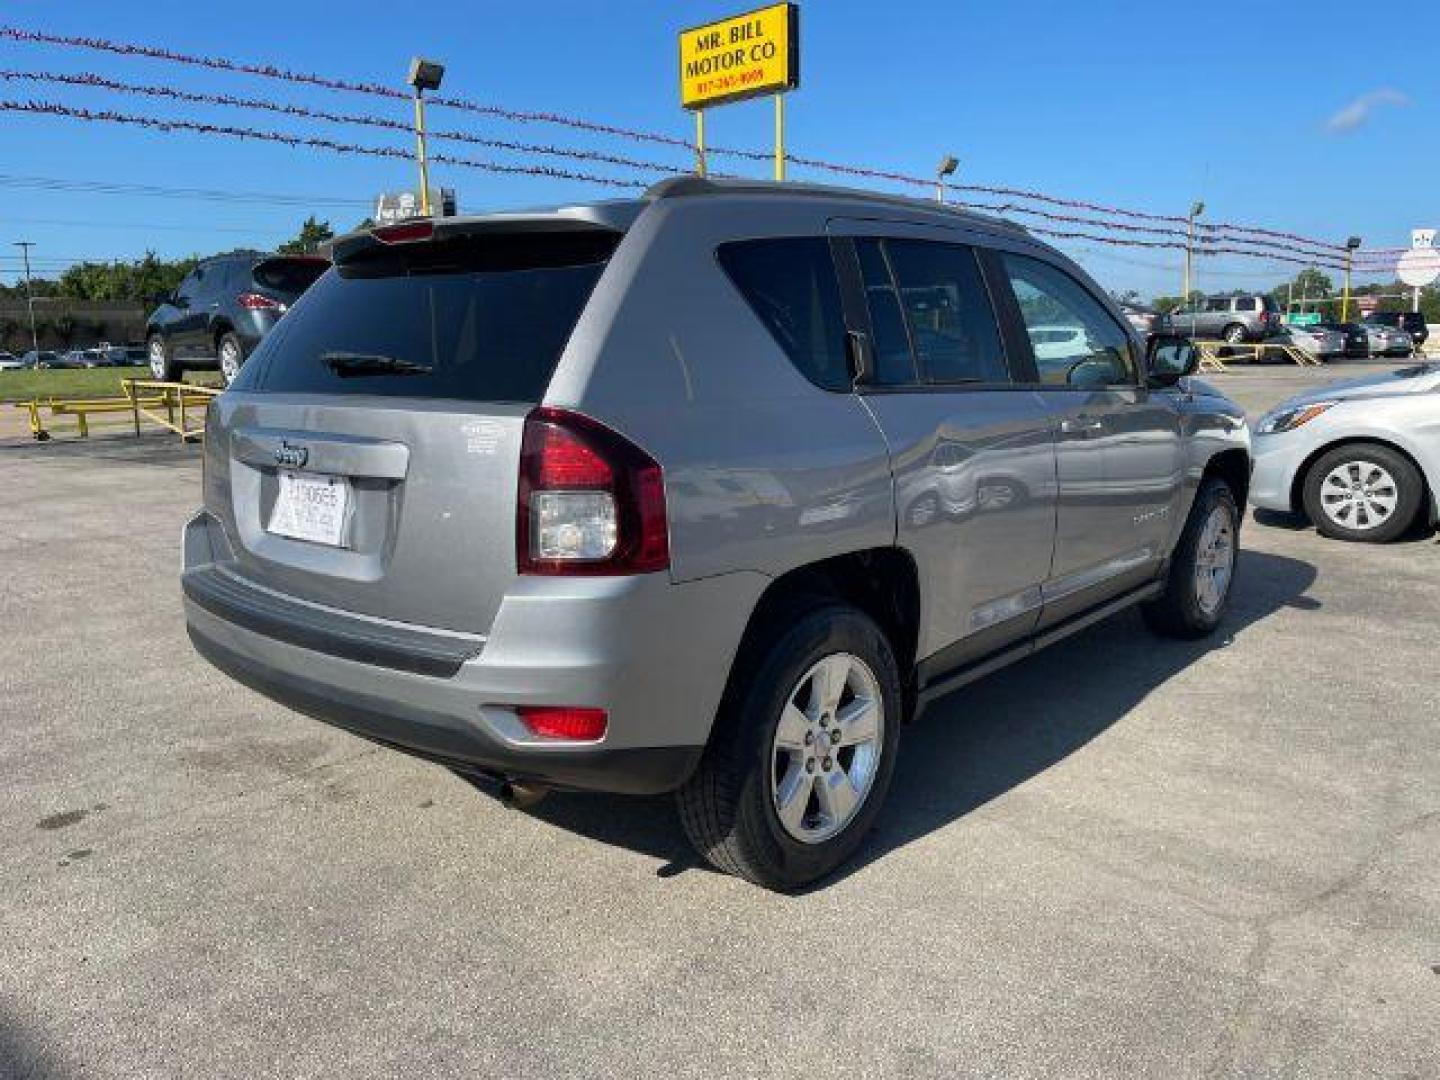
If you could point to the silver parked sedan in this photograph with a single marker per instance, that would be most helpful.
(1361, 458)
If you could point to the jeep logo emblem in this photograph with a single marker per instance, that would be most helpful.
(290, 456)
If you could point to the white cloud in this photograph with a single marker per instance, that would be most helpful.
(1357, 113)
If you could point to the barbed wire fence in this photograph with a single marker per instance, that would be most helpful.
(1056, 217)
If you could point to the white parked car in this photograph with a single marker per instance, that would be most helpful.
(1059, 342)
(1360, 458)
(10, 362)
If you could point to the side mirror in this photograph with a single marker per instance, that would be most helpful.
(862, 357)
(1168, 359)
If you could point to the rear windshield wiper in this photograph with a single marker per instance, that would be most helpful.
(350, 363)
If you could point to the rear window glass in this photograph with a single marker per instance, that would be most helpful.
(1245, 303)
(790, 284)
(289, 275)
(481, 318)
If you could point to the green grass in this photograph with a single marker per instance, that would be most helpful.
(81, 382)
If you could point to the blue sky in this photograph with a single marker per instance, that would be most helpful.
(1139, 105)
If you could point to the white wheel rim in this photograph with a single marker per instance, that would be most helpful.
(157, 359)
(1214, 560)
(1234, 335)
(1359, 495)
(229, 360)
(827, 748)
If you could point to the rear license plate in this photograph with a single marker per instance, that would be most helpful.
(311, 507)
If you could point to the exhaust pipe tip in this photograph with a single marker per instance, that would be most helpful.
(521, 796)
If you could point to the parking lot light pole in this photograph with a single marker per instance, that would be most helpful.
(1195, 211)
(948, 164)
(25, 246)
(424, 75)
(1350, 246)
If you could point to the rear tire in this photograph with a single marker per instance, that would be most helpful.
(231, 356)
(1381, 508)
(163, 365)
(774, 800)
(1202, 567)
(1234, 334)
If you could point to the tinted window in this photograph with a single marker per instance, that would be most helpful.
(894, 363)
(1075, 341)
(1245, 303)
(291, 276)
(190, 287)
(479, 319)
(1218, 303)
(948, 312)
(791, 286)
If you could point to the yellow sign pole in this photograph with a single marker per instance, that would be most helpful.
(779, 137)
(700, 142)
(420, 152)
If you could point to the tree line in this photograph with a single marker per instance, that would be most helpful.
(138, 280)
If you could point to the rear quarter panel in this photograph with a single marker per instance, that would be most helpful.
(764, 471)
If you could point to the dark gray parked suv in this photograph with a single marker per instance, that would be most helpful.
(219, 313)
(706, 492)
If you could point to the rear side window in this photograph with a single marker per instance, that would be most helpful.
(948, 311)
(479, 318)
(1245, 303)
(292, 276)
(791, 286)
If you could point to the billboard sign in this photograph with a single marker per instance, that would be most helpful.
(740, 57)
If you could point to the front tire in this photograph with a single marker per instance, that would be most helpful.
(1202, 568)
(1363, 492)
(803, 751)
(163, 365)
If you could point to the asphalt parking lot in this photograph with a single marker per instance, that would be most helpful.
(1122, 857)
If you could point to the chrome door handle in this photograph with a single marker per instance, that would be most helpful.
(1081, 427)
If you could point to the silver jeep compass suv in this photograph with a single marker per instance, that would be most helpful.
(709, 491)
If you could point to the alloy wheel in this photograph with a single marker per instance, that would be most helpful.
(827, 748)
(157, 358)
(1215, 560)
(230, 360)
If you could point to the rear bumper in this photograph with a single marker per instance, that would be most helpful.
(653, 654)
(442, 738)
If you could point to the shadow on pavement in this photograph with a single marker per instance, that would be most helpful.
(151, 448)
(20, 1057)
(991, 736)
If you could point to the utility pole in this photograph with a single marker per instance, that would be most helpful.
(1195, 211)
(25, 246)
(1350, 246)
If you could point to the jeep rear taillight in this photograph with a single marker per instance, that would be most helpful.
(590, 502)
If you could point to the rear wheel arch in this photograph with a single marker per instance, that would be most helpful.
(1297, 485)
(218, 329)
(884, 583)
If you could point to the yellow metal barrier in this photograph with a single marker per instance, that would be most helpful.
(1253, 351)
(173, 397)
(146, 398)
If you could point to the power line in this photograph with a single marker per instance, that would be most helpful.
(110, 116)
(525, 116)
(100, 187)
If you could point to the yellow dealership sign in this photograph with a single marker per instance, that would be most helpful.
(740, 57)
